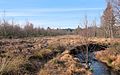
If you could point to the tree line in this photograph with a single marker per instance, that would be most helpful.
(11, 30)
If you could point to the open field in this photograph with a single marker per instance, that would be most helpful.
(60, 37)
(51, 55)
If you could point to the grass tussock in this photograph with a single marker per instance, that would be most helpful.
(11, 65)
(49, 56)
(64, 64)
(111, 56)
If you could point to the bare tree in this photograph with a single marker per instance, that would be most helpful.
(94, 28)
(116, 9)
(78, 30)
(116, 13)
(29, 29)
(86, 39)
(108, 20)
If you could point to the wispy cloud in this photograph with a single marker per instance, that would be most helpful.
(56, 9)
(56, 17)
(37, 12)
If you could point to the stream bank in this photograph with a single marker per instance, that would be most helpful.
(97, 67)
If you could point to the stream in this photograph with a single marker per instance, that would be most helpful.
(97, 67)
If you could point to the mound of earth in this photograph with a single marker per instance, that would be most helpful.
(64, 64)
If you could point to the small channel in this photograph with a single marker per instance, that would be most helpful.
(97, 67)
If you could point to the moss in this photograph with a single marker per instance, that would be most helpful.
(110, 61)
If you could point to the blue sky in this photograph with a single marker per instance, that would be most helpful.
(52, 13)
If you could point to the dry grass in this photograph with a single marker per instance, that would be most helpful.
(111, 56)
(64, 64)
(47, 50)
(11, 64)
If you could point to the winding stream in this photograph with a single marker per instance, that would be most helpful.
(97, 67)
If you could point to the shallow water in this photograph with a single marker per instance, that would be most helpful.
(99, 68)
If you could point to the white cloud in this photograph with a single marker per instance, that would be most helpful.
(17, 14)
(38, 12)
(60, 9)
(64, 9)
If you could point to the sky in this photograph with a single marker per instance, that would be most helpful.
(52, 13)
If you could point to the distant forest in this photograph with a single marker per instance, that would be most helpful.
(8, 30)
